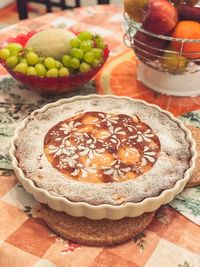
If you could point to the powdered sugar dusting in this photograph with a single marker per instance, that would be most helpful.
(102, 147)
(168, 169)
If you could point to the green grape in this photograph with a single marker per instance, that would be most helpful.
(99, 42)
(41, 70)
(75, 63)
(86, 46)
(84, 67)
(72, 51)
(101, 45)
(66, 60)
(23, 60)
(14, 53)
(52, 72)
(4, 53)
(63, 72)
(21, 67)
(12, 61)
(50, 63)
(98, 53)
(76, 52)
(75, 42)
(89, 57)
(31, 71)
(96, 62)
(84, 36)
(14, 47)
(32, 58)
(58, 64)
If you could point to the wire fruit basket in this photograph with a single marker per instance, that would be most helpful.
(160, 67)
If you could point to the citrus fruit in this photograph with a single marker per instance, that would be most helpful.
(187, 29)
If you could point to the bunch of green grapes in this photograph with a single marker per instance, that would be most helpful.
(87, 52)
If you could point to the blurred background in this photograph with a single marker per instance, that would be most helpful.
(9, 13)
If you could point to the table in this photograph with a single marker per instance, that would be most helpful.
(172, 240)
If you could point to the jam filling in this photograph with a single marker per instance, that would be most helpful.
(100, 147)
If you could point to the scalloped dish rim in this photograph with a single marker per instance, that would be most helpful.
(108, 211)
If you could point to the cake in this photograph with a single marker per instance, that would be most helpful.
(103, 150)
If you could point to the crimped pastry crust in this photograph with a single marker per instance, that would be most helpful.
(195, 178)
(170, 167)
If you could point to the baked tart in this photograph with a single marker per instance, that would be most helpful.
(103, 156)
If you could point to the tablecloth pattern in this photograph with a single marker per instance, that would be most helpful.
(171, 240)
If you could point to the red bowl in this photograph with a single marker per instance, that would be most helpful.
(51, 85)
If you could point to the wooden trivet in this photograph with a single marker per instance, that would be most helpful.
(195, 179)
(94, 232)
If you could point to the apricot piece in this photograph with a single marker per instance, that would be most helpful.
(131, 175)
(89, 119)
(129, 155)
(105, 160)
(101, 134)
(85, 128)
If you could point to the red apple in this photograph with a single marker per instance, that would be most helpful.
(147, 47)
(189, 13)
(161, 17)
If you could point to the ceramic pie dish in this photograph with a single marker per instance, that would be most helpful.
(103, 156)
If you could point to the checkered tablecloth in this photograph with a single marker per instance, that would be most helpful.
(171, 240)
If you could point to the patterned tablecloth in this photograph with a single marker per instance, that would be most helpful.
(172, 240)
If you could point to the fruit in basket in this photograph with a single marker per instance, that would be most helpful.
(185, 2)
(84, 67)
(53, 43)
(14, 48)
(161, 17)
(157, 16)
(12, 51)
(4, 53)
(85, 36)
(188, 13)
(188, 30)
(173, 62)
(31, 71)
(21, 67)
(136, 9)
(32, 58)
(147, 47)
(88, 54)
(12, 61)
(40, 69)
(63, 72)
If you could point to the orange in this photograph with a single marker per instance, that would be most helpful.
(188, 30)
(118, 77)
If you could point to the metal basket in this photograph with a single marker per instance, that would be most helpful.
(156, 58)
